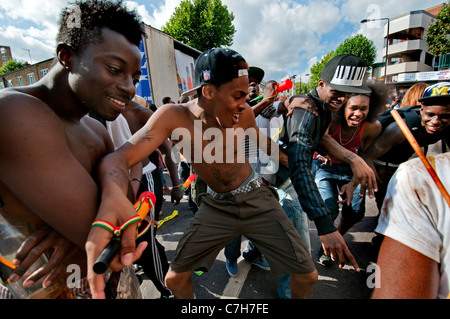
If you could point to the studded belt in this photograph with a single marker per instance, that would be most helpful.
(244, 188)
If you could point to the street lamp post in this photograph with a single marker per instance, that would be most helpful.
(29, 53)
(301, 82)
(387, 43)
(293, 82)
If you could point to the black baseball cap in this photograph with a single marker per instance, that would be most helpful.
(345, 73)
(256, 72)
(216, 66)
(436, 93)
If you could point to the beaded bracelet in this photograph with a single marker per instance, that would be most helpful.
(135, 180)
(269, 97)
(117, 231)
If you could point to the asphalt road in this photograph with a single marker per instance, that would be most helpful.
(255, 283)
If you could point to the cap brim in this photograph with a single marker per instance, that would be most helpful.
(256, 72)
(351, 89)
(191, 92)
(440, 99)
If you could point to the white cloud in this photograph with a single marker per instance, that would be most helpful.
(42, 13)
(160, 13)
(30, 25)
(279, 36)
(22, 40)
(141, 10)
(284, 37)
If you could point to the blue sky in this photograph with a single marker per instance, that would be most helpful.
(284, 37)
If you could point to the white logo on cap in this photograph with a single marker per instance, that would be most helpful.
(349, 75)
(242, 72)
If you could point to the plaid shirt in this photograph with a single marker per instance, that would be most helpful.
(301, 135)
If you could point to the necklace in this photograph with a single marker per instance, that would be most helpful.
(351, 138)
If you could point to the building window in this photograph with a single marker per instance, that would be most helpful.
(31, 78)
(20, 81)
(428, 59)
(44, 72)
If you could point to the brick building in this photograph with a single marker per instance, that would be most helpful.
(29, 74)
(5, 54)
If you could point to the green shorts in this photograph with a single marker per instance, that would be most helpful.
(258, 216)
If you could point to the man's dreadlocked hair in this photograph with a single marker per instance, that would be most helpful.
(81, 23)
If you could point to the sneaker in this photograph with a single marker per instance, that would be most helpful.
(262, 263)
(232, 267)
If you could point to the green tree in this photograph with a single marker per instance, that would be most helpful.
(360, 46)
(10, 66)
(437, 37)
(202, 24)
(357, 45)
(316, 70)
(301, 88)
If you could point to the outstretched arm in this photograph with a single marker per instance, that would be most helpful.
(171, 165)
(298, 101)
(301, 131)
(115, 207)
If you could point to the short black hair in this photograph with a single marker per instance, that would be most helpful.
(81, 23)
(166, 100)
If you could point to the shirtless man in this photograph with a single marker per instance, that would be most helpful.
(50, 148)
(237, 202)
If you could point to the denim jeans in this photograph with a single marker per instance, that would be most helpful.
(329, 180)
(233, 250)
(291, 205)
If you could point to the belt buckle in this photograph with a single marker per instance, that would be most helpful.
(256, 184)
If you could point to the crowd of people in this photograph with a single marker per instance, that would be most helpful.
(79, 149)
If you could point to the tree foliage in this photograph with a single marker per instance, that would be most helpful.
(357, 45)
(360, 46)
(438, 33)
(10, 66)
(202, 24)
(301, 88)
(316, 70)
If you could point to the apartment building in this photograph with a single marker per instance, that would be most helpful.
(408, 59)
(5, 54)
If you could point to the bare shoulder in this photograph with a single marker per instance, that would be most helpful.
(176, 115)
(163, 122)
(20, 109)
(136, 115)
(94, 125)
(372, 129)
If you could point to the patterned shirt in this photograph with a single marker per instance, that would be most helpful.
(301, 134)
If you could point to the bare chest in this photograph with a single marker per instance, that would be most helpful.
(217, 156)
(86, 145)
